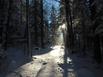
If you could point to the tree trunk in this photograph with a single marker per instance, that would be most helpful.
(70, 35)
(1, 20)
(96, 40)
(28, 30)
(35, 24)
(8, 23)
(21, 4)
(42, 26)
(97, 50)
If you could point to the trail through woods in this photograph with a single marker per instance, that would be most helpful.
(51, 64)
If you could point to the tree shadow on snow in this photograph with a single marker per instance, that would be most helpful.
(15, 59)
(68, 66)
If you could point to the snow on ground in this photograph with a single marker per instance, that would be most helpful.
(52, 63)
(42, 65)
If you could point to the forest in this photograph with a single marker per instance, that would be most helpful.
(51, 38)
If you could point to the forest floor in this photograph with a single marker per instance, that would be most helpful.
(50, 62)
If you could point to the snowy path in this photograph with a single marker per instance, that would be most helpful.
(45, 65)
(54, 64)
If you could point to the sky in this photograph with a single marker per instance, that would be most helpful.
(53, 2)
(49, 4)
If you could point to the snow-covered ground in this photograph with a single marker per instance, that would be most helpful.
(52, 62)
